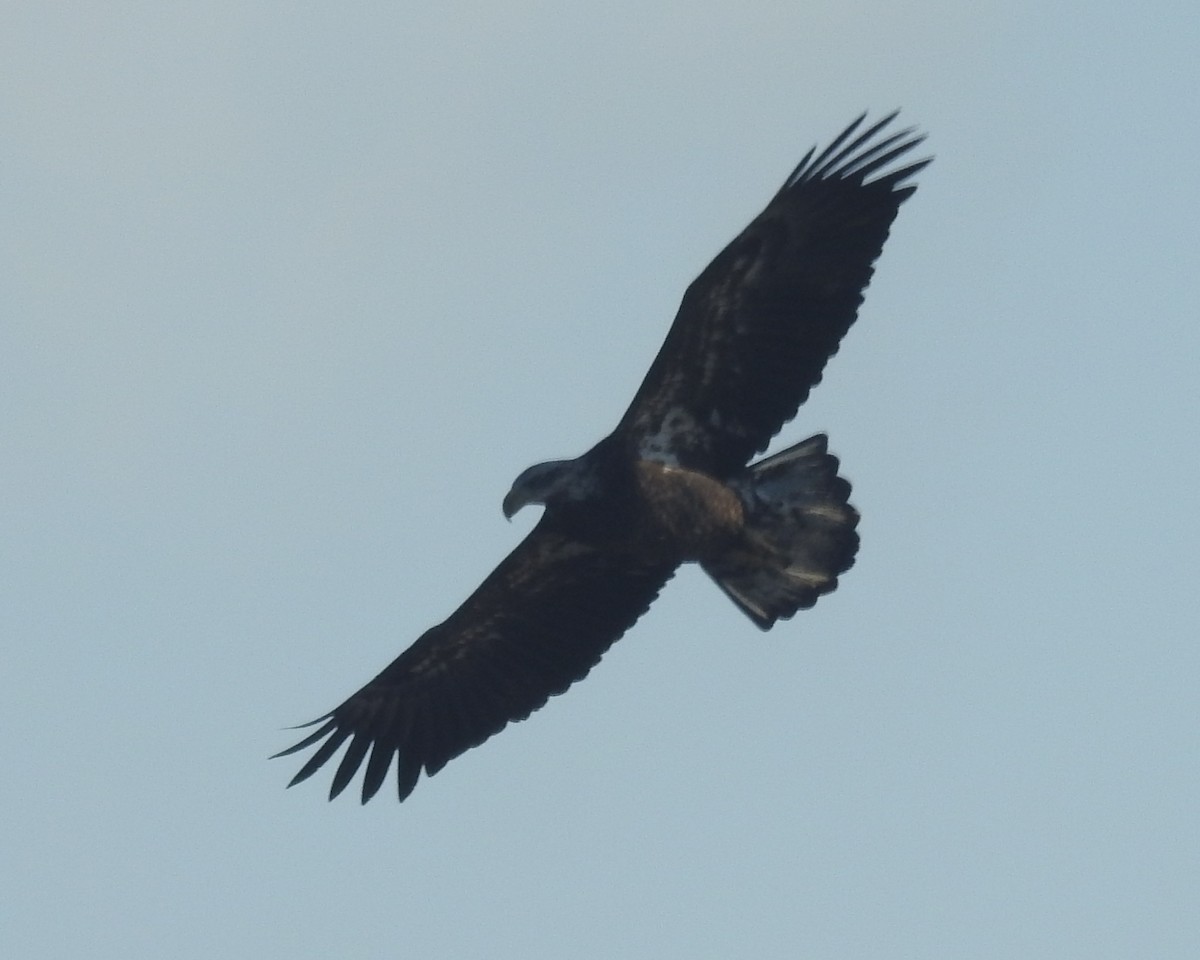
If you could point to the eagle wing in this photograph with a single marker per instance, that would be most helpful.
(755, 329)
(537, 624)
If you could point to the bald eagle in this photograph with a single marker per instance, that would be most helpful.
(671, 484)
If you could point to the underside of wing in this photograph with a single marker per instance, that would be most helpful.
(755, 329)
(536, 625)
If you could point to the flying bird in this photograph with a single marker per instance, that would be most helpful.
(671, 484)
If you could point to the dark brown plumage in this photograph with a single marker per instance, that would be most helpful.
(670, 485)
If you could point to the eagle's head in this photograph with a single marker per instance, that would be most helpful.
(557, 481)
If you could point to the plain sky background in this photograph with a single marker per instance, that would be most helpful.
(290, 293)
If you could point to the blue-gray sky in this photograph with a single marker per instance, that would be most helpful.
(291, 293)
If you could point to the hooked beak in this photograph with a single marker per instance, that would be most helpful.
(512, 503)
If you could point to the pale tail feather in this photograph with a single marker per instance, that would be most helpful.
(799, 534)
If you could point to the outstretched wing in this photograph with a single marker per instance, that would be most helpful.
(536, 625)
(755, 329)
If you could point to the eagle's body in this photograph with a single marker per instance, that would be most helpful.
(671, 484)
(647, 505)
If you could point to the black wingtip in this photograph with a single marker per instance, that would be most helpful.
(407, 775)
(329, 729)
(377, 769)
(307, 741)
(327, 749)
(350, 764)
(852, 155)
(408, 772)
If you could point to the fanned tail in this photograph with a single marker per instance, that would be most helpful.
(799, 534)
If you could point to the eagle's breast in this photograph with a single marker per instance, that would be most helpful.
(692, 514)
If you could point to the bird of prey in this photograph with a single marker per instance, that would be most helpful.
(672, 484)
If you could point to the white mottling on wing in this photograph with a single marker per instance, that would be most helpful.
(677, 431)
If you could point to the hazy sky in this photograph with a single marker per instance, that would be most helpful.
(292, 292)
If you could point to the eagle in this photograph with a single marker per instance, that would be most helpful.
(672, 484)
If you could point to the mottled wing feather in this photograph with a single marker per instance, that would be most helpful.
(536, 625)
(755, 329)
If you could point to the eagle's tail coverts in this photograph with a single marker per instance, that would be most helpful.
(799, 534)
